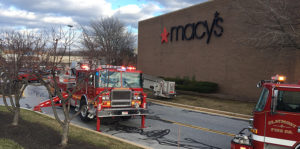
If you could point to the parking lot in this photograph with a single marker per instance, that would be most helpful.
(167, 127)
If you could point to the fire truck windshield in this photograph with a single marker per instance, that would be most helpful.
(113, 79)
(288, 101)
(109, 79)
(131, 80)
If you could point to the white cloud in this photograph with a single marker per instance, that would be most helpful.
(18, 14)
(65, 7)
(58, 20)
(39, 13)
(25, 19)
(131, 14)
(177, 4)
(129, 9)
(96, 7)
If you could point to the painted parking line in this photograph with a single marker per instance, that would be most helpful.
(201, 128)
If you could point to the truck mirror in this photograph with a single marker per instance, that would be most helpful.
(259, 84)
(142, 80)
(73, 71)
(273, 106)
(274, 101)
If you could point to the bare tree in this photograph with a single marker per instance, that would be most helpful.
(52, 61)
(110, 39)
(58, 43)
(276, 23)
(91, 49)
(20, 50)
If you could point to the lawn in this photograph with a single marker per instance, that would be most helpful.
(9, 144)
(36, 131)
(205, 101)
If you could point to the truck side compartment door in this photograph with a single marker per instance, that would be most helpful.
(91, 86)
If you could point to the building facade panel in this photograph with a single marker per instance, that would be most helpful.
(224, 59)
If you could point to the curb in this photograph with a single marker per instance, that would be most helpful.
(6, 96)
(92, 131)
(201, 109)
(23, 95)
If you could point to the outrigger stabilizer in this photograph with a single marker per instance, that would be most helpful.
(47, 103)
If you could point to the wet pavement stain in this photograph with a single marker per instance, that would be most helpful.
(160, 137)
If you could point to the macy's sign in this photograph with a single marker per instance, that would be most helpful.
(215, 28)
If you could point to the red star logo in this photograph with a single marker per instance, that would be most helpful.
(164, 36)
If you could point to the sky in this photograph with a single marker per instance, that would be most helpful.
(38, 14)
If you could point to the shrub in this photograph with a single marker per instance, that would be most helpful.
(193, 85)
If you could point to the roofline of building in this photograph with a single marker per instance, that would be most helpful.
(208, 1)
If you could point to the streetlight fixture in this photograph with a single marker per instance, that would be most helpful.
(70, 26)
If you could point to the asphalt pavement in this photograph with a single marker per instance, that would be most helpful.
(167, 127)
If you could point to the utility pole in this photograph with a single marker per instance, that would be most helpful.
(70, 26)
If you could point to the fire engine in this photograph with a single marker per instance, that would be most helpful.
(26, 74)
(108, 91)
(276, 118)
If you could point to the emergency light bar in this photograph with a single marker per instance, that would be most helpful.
(120, 68)
(279, 78)
(131, 68)
(109, 67)
(85, 67)
(274, 79)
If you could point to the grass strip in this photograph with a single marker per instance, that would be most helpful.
(228, 105)
(9, 144)
(75, 132)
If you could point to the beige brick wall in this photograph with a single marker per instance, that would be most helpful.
(225, 60)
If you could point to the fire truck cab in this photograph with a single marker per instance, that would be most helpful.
(276, 118)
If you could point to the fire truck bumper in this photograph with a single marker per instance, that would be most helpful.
(241, 140)
(122, 112)
(235, 145)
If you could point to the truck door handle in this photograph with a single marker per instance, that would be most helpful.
(298, 129)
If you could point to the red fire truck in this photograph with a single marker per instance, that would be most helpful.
(276, 118)
(119, 90)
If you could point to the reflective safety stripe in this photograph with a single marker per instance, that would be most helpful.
(273, 140)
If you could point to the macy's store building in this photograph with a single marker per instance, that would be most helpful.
(203, 41)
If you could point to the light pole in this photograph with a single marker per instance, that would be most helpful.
(1, 48)
(70, 26)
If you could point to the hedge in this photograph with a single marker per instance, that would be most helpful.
(192, 85)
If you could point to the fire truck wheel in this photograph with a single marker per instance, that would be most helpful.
(298, 146)
(84, 113)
